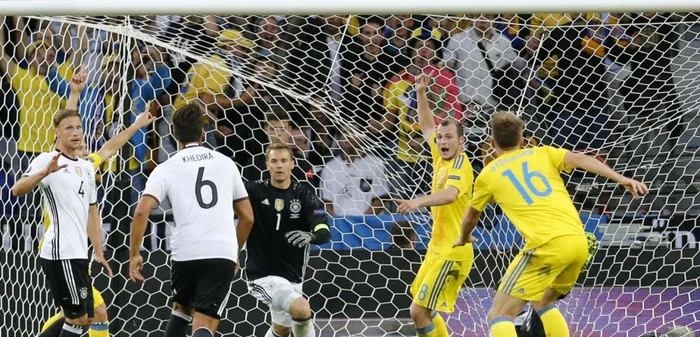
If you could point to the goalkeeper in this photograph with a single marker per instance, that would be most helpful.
(100, 327)
(288, 218)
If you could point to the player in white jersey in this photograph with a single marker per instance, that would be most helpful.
(204, 188)
(67, 184)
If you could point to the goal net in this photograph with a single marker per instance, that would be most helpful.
(621, 86)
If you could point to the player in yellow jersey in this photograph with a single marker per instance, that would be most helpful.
(445, 268)
(527, 185)
(100, 327)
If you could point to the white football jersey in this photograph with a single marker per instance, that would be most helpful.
(201, 185)
(67, 195)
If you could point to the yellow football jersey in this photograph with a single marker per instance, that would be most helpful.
(527, 185)
(447, 219)
(96, 161)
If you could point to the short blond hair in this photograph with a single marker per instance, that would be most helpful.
(278, 146)
(63, 114)
(507, 130)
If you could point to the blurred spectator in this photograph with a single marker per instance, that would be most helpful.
(213, 87)
(318, 54)
(268, 36)
(650, 95)
(37, 103)
(514, 28)
(354, 183)
(243, 121)
(278, 128)
(193, 34)
(487, 66)
(403, 236)
(578, 113)
(321, 133)
(366, 74)
(398, 30)
(412, 171)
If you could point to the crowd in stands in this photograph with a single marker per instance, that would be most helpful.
(357, 139)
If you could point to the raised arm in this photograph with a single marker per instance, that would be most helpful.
(115, 143)
(593, 165)
(425, 115)
(77, 85)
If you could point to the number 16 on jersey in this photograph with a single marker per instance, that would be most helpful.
(529, 177)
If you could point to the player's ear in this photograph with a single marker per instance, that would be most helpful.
(202, 136)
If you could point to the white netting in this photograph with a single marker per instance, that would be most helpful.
(622, 86)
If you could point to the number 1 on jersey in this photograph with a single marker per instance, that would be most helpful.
(279, 218)
(529, 176)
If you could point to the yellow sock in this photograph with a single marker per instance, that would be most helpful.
(440, 326)
(503, 327)
(428, 331)
(99, 330)
(51, 320)
(553, 322)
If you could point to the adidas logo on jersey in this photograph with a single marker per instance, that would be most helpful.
(65, 170)
(265, 202)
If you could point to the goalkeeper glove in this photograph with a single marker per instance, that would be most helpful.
(592, 247)
(299, 238)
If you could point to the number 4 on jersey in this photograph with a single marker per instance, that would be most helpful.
(529, 182)
(81, 190)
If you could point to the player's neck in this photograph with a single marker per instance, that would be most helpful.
(181, 146)
(72, 154)
(281, 185)
(501, 152)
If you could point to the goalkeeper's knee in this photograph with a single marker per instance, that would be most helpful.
(283, 298)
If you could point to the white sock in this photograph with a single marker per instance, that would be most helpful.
(271, 333)
(304, 328)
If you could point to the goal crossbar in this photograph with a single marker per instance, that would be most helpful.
(322, 7)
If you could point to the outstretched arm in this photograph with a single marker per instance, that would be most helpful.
(425, 115)
(444, 197)
(593, 165)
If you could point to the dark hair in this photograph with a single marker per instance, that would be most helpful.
(188, 123)
(63, 114)
(426, 35)
(507, 130)
(276, 113)
(279, 146)
(402, 234)
(451, 121)
(375, 20)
